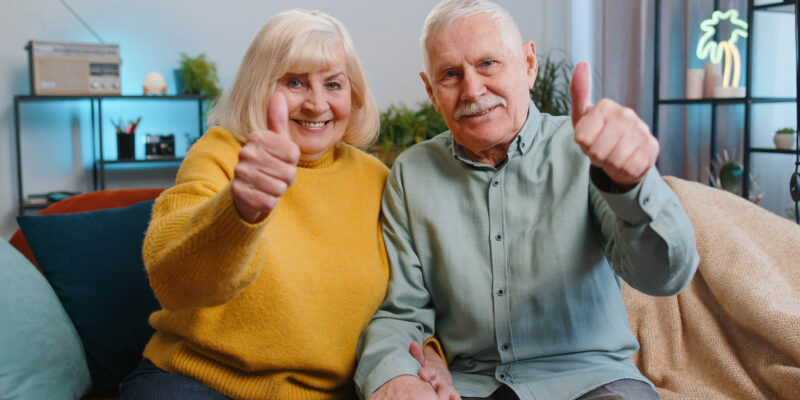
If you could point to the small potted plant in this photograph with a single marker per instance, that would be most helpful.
(198, 75)
(784, 138)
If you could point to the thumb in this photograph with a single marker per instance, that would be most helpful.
(416, 352)
(278, 114)
(581, 91)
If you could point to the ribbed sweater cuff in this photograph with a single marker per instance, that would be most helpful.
(228, 223)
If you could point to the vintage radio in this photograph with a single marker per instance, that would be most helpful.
(62, 68)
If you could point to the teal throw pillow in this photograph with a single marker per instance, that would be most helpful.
(93, 260)
(41, 356)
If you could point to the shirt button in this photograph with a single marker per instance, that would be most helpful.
(499, 237)
(506, 347)
(646, 200)
(496, 183)
(522, 144)
(500, 292)
(502, 376)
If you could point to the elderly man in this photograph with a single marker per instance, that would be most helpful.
(500, 231)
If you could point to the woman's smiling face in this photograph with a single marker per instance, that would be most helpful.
(319, 104)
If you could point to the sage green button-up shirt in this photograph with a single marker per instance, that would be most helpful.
(517, 269)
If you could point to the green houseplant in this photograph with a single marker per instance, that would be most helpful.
(402, 127)
(550, 92)
(198, 75)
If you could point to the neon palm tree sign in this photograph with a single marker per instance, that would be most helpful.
(708, 48)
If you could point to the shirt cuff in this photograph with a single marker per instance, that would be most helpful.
(639, 204)
(387, 370)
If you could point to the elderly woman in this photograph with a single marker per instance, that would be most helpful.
(266, 256)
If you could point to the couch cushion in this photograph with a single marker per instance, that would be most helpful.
(41, 356)
(88, 201)
(93, 261)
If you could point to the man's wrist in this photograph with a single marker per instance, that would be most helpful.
(603, 182)
(397, 380)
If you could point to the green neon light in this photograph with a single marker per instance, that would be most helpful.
(707, 47)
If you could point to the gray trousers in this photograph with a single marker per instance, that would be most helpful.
(623, 389)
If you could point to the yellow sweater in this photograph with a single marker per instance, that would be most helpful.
(270, 310)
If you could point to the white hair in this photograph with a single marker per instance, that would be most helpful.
(296, 41)
(448, 11)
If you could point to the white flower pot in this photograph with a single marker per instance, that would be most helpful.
(784, 141)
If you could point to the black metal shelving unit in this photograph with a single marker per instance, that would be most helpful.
(96, 110)
(786, 6)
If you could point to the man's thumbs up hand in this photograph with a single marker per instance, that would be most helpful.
(612, 136)
(267, 165)
(580, 89)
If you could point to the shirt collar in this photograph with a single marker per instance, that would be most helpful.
(521, 144)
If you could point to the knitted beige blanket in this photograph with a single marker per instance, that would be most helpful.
(734, 332)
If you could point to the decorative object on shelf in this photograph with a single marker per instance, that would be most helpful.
(713, 77)
(784, 138)
(154, 84)
(694, 83)
(728, 174)
(708, 48)
(198, 75)
(160, 146)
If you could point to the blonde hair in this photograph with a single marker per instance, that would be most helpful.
(297, 41)
(448, 11)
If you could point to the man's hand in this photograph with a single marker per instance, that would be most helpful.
(434, 371)
(613, 136)
(267, 165)
(404, 387)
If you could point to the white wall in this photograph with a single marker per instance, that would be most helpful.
(152, 33)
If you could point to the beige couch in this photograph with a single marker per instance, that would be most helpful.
(734, 332)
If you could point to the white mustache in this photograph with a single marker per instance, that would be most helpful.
(484, 104)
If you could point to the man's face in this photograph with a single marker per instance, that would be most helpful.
(479, 83)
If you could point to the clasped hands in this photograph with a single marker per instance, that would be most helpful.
(433, 382)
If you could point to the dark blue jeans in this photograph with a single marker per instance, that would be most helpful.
(148, 382)
(623, 389)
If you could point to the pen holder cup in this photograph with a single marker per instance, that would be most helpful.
(125, 146)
